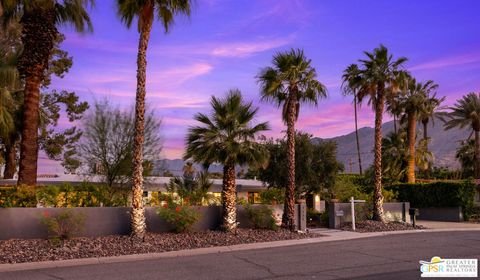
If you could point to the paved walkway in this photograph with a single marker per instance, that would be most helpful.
(447, 225)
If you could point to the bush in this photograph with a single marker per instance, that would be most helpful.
(261, 216)
(272, 196)
(64, 195)
(438, 194)
(182, 218)
(63, 225)
(346, 186)
(314, 218)
(18, 196)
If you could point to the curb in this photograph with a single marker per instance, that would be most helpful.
(327, 236)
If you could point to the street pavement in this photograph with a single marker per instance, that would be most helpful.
(382, 257)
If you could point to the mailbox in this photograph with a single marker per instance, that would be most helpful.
(413, 215)
(413, 211)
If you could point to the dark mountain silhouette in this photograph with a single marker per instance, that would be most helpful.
(443, 144)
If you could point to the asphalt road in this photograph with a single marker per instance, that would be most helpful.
(386, 257)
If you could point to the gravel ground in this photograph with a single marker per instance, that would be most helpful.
(374, 226)
(33, 250)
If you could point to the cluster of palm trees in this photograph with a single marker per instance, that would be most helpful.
(227, 135)
(384, 81)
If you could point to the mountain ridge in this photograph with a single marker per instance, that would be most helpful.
(443, 145)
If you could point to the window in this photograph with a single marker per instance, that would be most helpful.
(253, 197)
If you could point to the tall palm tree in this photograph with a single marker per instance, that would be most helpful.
(466, 112)
(381, 78)
(288, 83)
(350, 84)
(39, 20)
(227, 136)
(145, 11)
(431, 106)
(413, 104)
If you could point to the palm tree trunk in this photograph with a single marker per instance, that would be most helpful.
(138, 224)
(425, 132)
(288, 217)
(39, 33)
(425, 139)
(356, 134)
(10, 161)
(412, 126)
(378, 196)
(229, 210)
(477, 154)
(395, 123)
(27, 174)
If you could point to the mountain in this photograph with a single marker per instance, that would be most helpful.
(443, 144)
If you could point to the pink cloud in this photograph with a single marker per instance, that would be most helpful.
(243, 49)
(448, 62)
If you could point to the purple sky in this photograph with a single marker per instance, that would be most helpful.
(226, 42)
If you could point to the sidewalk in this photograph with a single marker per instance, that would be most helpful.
(447, 225)
(327, 235)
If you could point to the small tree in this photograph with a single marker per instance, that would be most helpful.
(316, 165)
(106, 148)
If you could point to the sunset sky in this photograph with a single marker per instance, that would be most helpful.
(225, 43)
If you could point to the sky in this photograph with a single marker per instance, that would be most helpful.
(225, 43)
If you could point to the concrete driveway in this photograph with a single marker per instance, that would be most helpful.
(382, 257)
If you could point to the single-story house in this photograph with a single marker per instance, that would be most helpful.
(247, 189)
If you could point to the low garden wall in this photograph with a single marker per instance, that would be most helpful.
(447, 214)
(26, 223)
(340, 213)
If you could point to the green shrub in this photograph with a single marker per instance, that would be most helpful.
(64, 195)
(314, 218)
(272, 196)
(63, 225)
(182, 218)
(261, 216)
(346, 186)
(17, 196)
(438, 194)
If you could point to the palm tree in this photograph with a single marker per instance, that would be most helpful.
(39, 19)
(429, 111)
(466, 112)
(10, 97)
(145, 11)
(192, 191)
(413, 104)
(350, 84)
(227, 136)
(395, 110)
(396, 155)
(381, 79)
(288, 83)
(465, 154)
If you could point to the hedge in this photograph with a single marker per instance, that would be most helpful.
(438, 194)
(65, 195)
